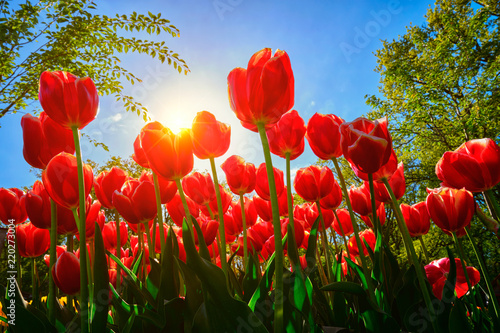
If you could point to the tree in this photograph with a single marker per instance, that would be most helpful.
(440, 84)
(68, 35)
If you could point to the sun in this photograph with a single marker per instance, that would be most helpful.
(177, 121)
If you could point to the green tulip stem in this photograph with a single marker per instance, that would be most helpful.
(371, 290)
(324, 240)
(244, 223)
(207, 206)
(486, 277)
(84, 292)
(222, 233)
(53, 257)
(411, 250)
(424, 248)
(34, 283)
(151, 242)
(69, 243)
(118, 249)
(461, 252)
(289, 195)
(159, 213)
(279, 258)
(494, 203)
(343, 234)
(375, 221)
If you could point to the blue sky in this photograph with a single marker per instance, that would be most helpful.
(331, 45)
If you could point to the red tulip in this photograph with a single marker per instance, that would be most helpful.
(308, 212)
(385, 171)
(60, 179)
(158, 240)
(136, 202)
(437, 273)
(66, 273)
(109, 234)
(43, 139)
(313, 183)
(287, 136)
(199, 187)
(333, 199)
(66, 224)
(299, 230)
(167, 187)
(68, 100)
(240, 176)
(175, 209)
(231, 228)
(106, 183)
(31, 241)
(380, 215)
(416, 218)
(210, 137)
(450, 209)
(345, 221)
(250, 213)
(170, 155)
(139, 156)
(474, 166)
(264, 91)
(226, 199)
(361, 200)
(38, 206)
(366, 144)
(262, 183)
(397, 183)
(366, 235)
(258, 234)
(12, 206)
(343, 262)
(323, 135)
(134, 245)
(208, 228)
(60, 249)
(264, 208)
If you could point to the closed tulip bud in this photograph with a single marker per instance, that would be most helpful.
(231, 228)
(109, 234)
(240, 176)
(313, 183)
(66, 273)
(106, 183)
(287, 136)
(31, 241)
(344, 220)
(250, 213)
(323, 135)
(366, 235)
(210, 137)
(263, 91)
(139, 156)
(199, 187)
(208, 228)
(450, 209)
(361, 200)
(474, 166)
(136, 202)
(12, 206)
(262, 184)
(60, 179)
(397, 183)
(366, 144)
(38, 206)
(416, 218)
(67, 99)
(43, 139)
(175, 209)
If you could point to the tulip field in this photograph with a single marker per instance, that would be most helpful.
(177, 250)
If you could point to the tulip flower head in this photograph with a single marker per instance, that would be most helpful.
(66, 273)
(416, 218)
(262, 183)
(313, 183)
(210, 137)
(287, 136)
(31, 241)
(240, 176)
(106, 183)
(136, 201)
(475, 166)
(67, 99)
(323, 135)
(12, 206)
(437, 273)
(263, 91)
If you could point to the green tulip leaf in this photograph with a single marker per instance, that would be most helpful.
(251, 279)
(99, 310)
(346, 287)
(311, 247)
(204, 253)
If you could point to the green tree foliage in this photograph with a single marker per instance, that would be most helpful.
(439, 84)
(69, 35)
